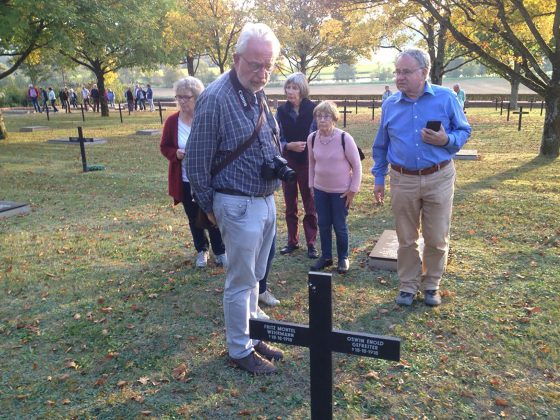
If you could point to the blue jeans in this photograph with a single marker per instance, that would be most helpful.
(248, 226)
(332, 213)
(199, 236)
(36, 106)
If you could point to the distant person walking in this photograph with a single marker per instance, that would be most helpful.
(129, 100)
(44, 99)
(33, 95)
(461, 95)
(65, 100)
(386, 94)
(150, 97)
(85, 97)
(96, 97)
(52, 99)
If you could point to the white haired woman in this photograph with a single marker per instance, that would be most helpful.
(176, 132)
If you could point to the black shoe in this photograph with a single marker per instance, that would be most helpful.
(321, 263)
(288, 249)
(312, 252)
(343, 265)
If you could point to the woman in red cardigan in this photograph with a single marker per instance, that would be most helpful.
(176, 131)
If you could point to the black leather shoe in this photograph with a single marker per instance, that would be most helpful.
(343, 266)
(312, 252)
(321, 263)
(288, 249)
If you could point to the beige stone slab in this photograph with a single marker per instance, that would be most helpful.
(384, 253)
(149, 132)
(12, 208)
(467, 154)
(67, 141)
(32, 128)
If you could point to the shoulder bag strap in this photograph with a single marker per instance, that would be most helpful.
(244, 146)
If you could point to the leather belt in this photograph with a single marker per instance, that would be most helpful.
(230, 191)
(426, 171)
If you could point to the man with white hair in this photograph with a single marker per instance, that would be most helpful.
(461, 95)
(238, 193)
(422, 127)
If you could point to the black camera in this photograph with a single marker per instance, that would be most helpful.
(278, 168)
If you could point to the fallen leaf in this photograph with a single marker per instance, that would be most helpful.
(144, 380)
(77, 316)
(244, 413)
(153, 295)
(130, 326)
(494, 381)
(51, 403)
(444, 358)
(234, 392)
(532, 311)
(138, 399)
(65, 401)
(219, 389)
(121, 384)
(183, 410)
(111, 355)
(145, 413)
(106, 310)
(472, 231)
(101, 380)
(63, 377)
(70, 364)
(501, 402)
(100, 301)
(180, 373)
(372, 375)
(21, 396)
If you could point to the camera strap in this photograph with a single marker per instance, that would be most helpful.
(244, 146)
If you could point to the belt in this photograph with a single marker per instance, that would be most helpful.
(230, 191)
(426, 171)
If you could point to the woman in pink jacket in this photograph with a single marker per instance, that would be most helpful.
(335, 174)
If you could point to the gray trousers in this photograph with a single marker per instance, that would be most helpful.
(247, 225)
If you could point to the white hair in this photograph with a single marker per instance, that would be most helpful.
(259, 31)
(419, 55)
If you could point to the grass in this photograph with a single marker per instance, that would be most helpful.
(103, 315)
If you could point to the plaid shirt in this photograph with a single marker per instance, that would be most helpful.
(222, 123)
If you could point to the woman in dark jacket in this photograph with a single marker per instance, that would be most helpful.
(176, 131)
(295, 118)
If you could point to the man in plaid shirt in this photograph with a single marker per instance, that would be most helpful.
(239, 199)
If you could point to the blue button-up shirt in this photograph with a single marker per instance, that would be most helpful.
(398, 140)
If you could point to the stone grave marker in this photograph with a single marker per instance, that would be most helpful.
(12, 208)
(149, 132)
(467, 154)
(384, 253)
(322, 340)
(32, 128)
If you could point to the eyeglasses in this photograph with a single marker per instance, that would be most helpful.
(256, 67)
(324, 117)
(184, 98)
(405, 72)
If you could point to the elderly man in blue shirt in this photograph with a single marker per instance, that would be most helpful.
(422, 128)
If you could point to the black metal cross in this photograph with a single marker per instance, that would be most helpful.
(322, 340)
(345, 112)
(521, 113)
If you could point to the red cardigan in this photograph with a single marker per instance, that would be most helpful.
(168, 147)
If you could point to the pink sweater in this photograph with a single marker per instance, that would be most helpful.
(334, 169)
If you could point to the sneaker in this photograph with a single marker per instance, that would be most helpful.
(268, 298)
(343, 265)
(202, 259)
(404, 298)
(254, 364)
(432, 297)
(288, 249)
(262, 315)
(269, 352)
(321, 263)
(221, 260)
(312, 252)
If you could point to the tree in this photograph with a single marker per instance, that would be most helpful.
(345, 72)
(109, 35)
(26, 26)
(315, 34)
(509, 32)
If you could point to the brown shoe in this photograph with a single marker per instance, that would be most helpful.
(270, 352)
(255, 364)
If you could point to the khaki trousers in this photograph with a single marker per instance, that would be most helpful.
(422, 201)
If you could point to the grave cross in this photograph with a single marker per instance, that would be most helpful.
(120, 112)
(160, 114)
(509, 109)
(521, 113)
(372, 109)
(345, 112)
(502, 107)
(356, 107)
(322, 340)
(542, 106)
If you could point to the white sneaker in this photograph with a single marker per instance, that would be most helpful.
(221, 260)
(202, 259)
(268, 298)
(261, 314)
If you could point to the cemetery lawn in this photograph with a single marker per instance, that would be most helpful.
(103, 315)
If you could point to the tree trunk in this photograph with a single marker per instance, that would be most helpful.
(3, 131)
(514, 87)
(550, 143)
(102, 100)
(190, 65)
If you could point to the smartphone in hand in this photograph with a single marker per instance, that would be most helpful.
(433, 125)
